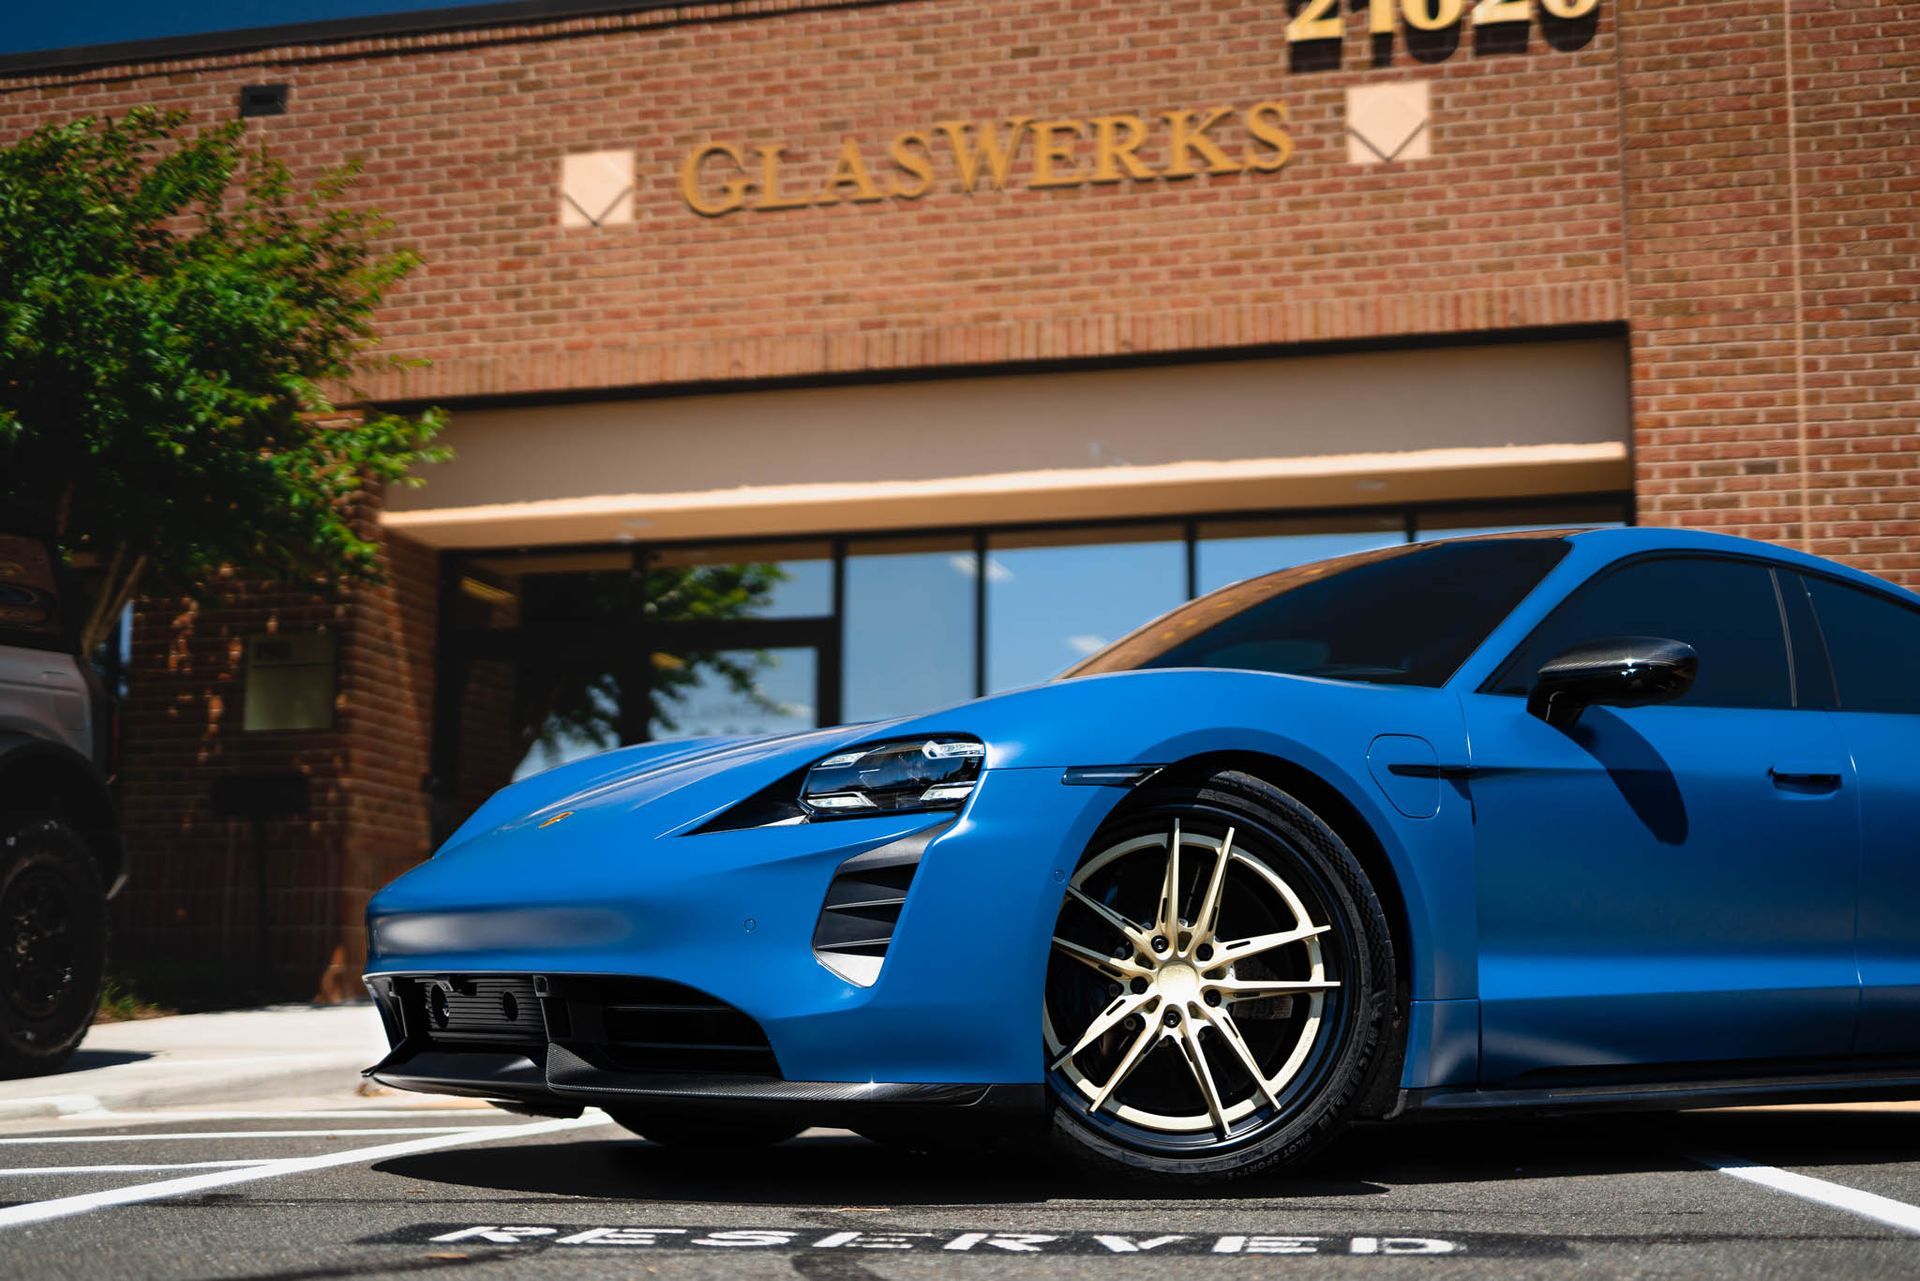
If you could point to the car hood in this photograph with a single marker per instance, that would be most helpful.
(624, 780)
(657, 789)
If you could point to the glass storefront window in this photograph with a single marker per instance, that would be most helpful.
(908, 633)
(767, 580)
(1054, 597)
(1231, 550)
(1518, 518)
(739, 691)
(507, 591)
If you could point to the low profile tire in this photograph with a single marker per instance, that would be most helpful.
(53, 944)
(731, 1133)
(1220, 986)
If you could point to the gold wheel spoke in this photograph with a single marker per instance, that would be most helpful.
(1169, 922)
(1128, 1062)
(1111, 966)
(1223, 1023)
(1108, 1019)
(1208, 923)
(1131, 931)
(1203, 1075)
(1250, 990)
(1240, 949)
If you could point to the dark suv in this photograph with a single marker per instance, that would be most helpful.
(60, 852)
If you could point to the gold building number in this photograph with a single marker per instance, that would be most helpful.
(1323, 19)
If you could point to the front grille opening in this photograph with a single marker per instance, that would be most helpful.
(650, 1025)
(469, 1011)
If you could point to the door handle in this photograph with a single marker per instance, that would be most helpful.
(1801, 774)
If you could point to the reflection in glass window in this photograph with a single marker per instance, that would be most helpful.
(909, 630)
(1055, 597)
(768, 580)
(739, 691)
(500, 592)
(1229, 551)
(1467, 522)
(518, 717)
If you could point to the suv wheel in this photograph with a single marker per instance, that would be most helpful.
(53, 932)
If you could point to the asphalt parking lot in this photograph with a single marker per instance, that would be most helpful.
(392, 1188)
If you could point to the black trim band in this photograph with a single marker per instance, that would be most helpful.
(1109, 775)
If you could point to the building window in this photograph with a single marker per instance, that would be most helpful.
(909, 626)
(550, 656)
(1056, 596)
(1227, 551)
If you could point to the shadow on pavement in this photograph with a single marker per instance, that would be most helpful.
(85, 1059)
(834, 1169)
(829, 1169)
(1467, 1150)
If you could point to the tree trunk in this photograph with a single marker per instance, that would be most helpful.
(117, 586)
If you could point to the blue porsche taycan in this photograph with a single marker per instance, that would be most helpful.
(1545, 820)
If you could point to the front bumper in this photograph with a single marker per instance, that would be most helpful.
(735, 914)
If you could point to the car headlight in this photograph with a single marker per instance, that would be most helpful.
(888, 778)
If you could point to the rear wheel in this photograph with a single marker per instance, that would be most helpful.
(53, 944)
(1220, 984)
(679, 1131)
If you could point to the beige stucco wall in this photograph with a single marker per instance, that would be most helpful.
(1452, 422)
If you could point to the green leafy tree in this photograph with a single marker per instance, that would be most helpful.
(175, 312)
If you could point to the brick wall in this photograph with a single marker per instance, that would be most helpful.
(1736, 193)
(1514, 222)
(188, 927)
(1772, 263)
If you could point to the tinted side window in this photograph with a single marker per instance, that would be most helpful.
(1396, 616)
(1874, 642)
(1725, 609)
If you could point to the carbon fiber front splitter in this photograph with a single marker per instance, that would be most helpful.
(563, 1083)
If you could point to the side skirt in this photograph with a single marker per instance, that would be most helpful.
(1886, 1085)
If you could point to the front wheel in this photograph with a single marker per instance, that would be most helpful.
(53, 944)
(1220, 985)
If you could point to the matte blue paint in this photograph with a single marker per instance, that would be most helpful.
(1885, 748)
(1639, 891)
(1411, 794)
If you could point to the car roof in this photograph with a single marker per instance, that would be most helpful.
(1614, 543)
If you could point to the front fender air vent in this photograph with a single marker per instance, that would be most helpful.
(863, 906)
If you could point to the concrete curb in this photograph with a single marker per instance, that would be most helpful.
(199, 1084)
(206, 1060)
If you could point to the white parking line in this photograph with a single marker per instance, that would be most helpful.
(34, 1171)
(36, 1140)
(1868, 1205)
(297, 1114)
(62, 1207)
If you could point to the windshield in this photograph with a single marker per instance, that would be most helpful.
(1398, 616)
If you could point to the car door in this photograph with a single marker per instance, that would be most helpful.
(1666, 884)
(1873, 641)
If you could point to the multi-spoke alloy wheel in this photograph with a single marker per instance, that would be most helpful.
(1215, 984)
